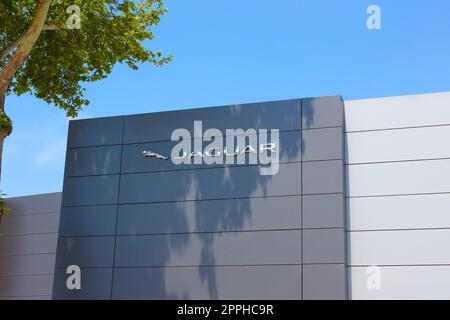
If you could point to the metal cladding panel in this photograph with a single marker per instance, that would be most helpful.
(96, 285)
(16, 225)
(398, 145)
(224, 282)
(331, 208)
(322, 144)
(203, 249)
(399, 178)
(324, 246)
(93, 161)
(283, 115)
(90, 190)
(27, 264)
(25, 286)
(398, 112)
(95, 132)
(28, 244)
(85, 251)
(322, 112)
(217, 183)
(251, 214)
(36, 204)
(87, 221)
(324, 281)
(28, 238)
(400, 247)
(399, 212)
(403, 283)
(134, 162)
(152, 229)
(323, 177)
(398, 202)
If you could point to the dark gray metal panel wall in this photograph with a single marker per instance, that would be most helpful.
(324, 242)
(142, 228)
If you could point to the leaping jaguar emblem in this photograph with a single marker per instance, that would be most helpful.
(151, 154)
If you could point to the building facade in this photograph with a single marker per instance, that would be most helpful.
(357, 209)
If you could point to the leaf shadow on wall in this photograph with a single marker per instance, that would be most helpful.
(212, 206)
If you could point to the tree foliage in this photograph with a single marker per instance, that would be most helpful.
(63, 60)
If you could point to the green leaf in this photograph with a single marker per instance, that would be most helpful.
(63, 61)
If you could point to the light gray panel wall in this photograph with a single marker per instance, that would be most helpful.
(209, 184)
(399, 178)
(228, 282)
(29, 285)
(406, 247)
(399, 194)
(210, 216)
(28, 246)
(14, 225)
(240, 248)
(35, 204)
(397, 145)
(45, 297)
(398, 112)
(404, 282)
(400, 212)
(27, 264)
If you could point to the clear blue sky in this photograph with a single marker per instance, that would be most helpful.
(237, 51)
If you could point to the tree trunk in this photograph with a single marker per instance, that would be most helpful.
(13, 64)
(26, 43)
(3, 134)
(20, 55)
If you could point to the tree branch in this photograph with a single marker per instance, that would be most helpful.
(52, 27)
(26, 44)
(6, 50)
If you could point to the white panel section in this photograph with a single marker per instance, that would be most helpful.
(411, 282)
(399, 178)
(398, 112)
(402, 212)
(411, 247)
(397, 145)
